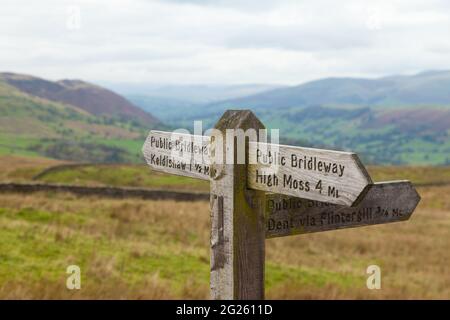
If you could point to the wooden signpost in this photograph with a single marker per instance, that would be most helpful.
(276, 191)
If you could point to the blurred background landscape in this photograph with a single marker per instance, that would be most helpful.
(79, 93)
(394, 120)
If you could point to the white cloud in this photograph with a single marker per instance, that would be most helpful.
(222, 41)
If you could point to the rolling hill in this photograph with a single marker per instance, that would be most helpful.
(423, 89)
(390, 120)
(70, 120)
(95, 100)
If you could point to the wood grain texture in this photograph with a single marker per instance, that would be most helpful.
(316, 174)
(177, 153)
(237, 216)
(383, 202)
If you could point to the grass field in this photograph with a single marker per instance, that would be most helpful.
(136, 249)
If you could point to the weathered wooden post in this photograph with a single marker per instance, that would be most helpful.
(237, 213)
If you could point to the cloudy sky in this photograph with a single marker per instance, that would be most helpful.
(222, 41)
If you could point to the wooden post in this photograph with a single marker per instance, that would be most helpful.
(237, 217)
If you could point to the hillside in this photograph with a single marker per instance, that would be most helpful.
(416, 136)
(33, 125)
(91, 98)
(391, 120)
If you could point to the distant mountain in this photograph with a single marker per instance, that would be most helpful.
(427, 88)
(95, 100)
(70, 120)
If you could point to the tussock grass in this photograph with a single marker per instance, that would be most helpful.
(417, 174)
(136, 249)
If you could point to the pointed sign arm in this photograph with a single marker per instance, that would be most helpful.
(382, 202)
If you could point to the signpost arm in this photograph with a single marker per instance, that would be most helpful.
(237, 217)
